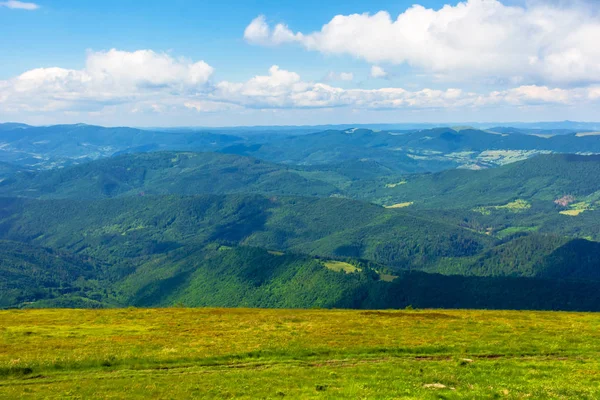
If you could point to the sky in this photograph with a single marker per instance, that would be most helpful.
(233, 63)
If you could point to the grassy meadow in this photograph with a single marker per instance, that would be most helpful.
(260, 353)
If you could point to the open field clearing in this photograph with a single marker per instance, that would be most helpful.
(401, 205)
(220, 353)
(341, 266)
(516, 206)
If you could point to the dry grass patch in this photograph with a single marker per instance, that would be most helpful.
(401, 205)
(339, 266)
(393, 185)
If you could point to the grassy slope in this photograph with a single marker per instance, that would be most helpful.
(217, 353)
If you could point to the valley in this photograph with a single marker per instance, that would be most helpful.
(214, 228)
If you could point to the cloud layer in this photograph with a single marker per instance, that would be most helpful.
(544, 43)
(111, 77)
(146, 81)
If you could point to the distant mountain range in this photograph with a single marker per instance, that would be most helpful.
(413, 150)
(350, 218)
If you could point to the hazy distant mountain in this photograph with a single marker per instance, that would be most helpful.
(410, 150)
(57, 145)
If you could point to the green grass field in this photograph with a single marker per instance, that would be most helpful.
(224, 353)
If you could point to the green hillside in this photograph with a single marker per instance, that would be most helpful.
(417, 150)
(30, 273)
(213, 229)
(247, 277)
(535, 255)
(164, 173)
(556, 194)
(165, 250)
(51, 146)
(139, 226)
(250, 277)
(544, 178)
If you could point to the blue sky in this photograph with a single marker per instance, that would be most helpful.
(228, 63)
(59, 32)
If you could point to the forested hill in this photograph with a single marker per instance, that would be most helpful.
(409, 151)
(56, 145)
(136, 226)
(167, 172)
(305, 252)
(544, 177)
(416, 150)
(328, 226)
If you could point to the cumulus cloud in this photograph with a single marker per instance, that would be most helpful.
(269, 91)
(259, 32)
(146, 68)
(542, 42)
(110, 77)
(378, 72)
(285, 89)
(19, 5)
(148, 82)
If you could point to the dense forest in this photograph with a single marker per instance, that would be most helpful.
(221, 228)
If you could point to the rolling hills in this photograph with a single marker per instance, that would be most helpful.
(261, 251)
(554, 193)
(329, 219)
(544, 178)
(416, 151)
(58, 145)
(406, 151)
(167, 173)
(138, 226)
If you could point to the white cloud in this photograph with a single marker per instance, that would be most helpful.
(540, 94)
(259, 32)
(284, 89)
(342, 76)
(543, 42)
(19, 5)
(146, 82)
(378, 72)
(111, 77)
(269, 91)
(209, 106)
(146, 68)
